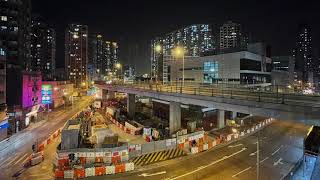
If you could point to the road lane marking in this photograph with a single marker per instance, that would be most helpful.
(264, 159)
(22, 158)
(253, 154)
(153, 174)
(278, 162)
(8, 163)
(276, 150)
(202, 167)
(237, 145)
(241, 172)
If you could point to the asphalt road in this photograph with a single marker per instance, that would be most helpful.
(280, 148)
(14, 151)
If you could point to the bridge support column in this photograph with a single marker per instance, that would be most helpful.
(233, 115)
(111, 95)
(131, 105)
(220, 119)
(175, 117)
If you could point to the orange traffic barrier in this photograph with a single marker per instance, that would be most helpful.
(115, 159)
(218, 140)
(209, 144)
(80, 173)
(99, 171)
(120, 168)
(58, 173)
(205, 136)
(49, 141)
(99, 159)
(41, 147)
(82, 160)
(63, 162)
(200, 148)
(181, 146)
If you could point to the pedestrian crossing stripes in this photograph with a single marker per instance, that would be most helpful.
(157, 156)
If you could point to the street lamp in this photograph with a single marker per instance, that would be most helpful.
(179, 52)
(119, 66)
(158, 50)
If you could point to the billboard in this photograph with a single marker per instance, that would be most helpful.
(46, 94)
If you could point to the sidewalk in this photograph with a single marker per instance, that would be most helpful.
(305, 170)
(19, 146)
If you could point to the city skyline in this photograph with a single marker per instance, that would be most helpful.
(264, 21)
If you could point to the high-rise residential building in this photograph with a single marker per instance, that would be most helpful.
(196, 40)
(43, 48)
(302, 53)
(3, 104)
(103, 55)
(15, 19)
(232, 37)
(76, 54)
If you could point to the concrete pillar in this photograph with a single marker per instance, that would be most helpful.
(175, 117)
(104, 94)
(220, 119)
(233, 114)
(111, 95)
(131, 105)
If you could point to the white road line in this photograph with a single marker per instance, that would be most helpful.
(153, 174)
(202, 167)
(15, 157)
(4, 162)
(22, 158)
(241, 172)
(264, 159)
(276, 151)
(278, 162)
(235, 145)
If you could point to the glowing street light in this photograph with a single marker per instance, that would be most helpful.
(179, 52)
(118, 65)
(158, 48)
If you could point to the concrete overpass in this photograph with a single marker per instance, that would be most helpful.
(302, 108)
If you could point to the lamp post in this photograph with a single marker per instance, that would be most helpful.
(119, 67)
(157, 49)
(179, 51)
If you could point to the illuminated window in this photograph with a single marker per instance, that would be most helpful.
(4, 18)
(210, 71)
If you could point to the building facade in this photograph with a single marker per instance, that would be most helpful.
(304, 62)
(195, 39)
(232, 37)
(241, 67)
(3, 105)
(15, 19)
(76, 54)
(103, 56)
(61, 93)
(43, 48)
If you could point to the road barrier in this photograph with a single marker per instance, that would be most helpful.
(118, 157)
(122, 127)
(203, 144)
(82, 172)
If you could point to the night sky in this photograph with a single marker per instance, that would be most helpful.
(134, 23)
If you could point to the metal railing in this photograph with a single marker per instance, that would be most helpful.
(232, 92)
